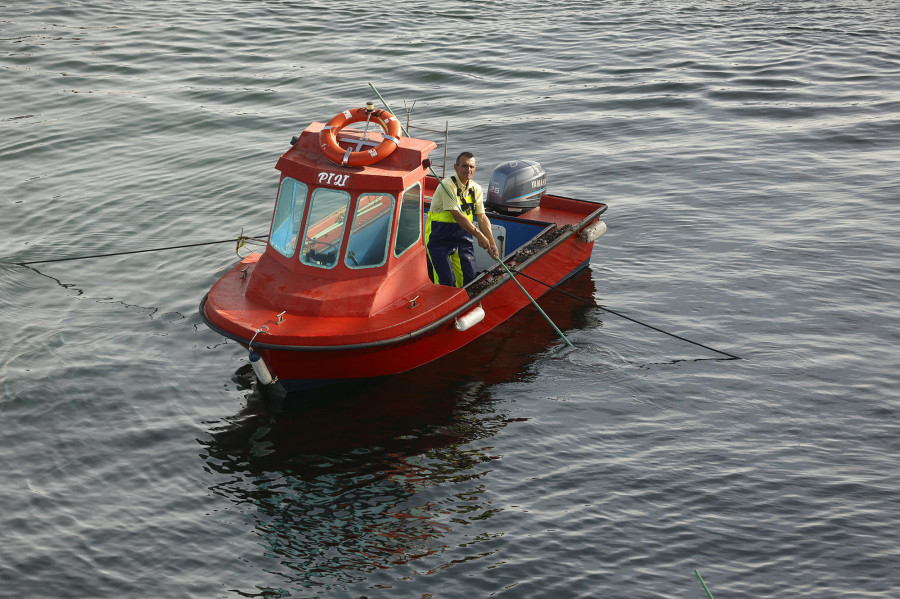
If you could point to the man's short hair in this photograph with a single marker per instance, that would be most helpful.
(464, 156)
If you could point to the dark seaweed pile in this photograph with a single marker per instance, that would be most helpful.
(494, 276)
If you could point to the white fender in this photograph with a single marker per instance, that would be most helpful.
(592, 232)
(259, 367)
(470, 319)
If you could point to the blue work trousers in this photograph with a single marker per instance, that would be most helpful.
(446, 242)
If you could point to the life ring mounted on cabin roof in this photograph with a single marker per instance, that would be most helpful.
(334, 152)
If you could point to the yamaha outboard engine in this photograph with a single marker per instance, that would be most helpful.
(516, 187)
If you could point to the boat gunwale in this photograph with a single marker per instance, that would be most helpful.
(432, 327)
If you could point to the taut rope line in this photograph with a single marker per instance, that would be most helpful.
(634, 320)
(240, 240)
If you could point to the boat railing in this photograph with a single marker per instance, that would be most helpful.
(445, 132)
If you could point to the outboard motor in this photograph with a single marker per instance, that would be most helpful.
(516, 187)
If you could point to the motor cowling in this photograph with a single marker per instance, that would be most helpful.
(516, 187)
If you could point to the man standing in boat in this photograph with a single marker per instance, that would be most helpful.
(451, 231)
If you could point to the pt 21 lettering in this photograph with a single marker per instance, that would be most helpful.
(333, 179)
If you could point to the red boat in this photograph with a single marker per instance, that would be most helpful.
(342, 289)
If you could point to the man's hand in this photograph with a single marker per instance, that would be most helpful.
(489, 244)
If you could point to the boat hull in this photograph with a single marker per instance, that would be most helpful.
(303, 367)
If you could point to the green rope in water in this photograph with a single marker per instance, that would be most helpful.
(703, 584)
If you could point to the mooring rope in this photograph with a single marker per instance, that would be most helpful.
(240, 241)
(634, 320)
(703, 584)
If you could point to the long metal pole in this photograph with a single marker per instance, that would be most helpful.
(406, 133)
(499, 259)
(544, 314)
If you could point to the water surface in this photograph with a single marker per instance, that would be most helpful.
(748, 152)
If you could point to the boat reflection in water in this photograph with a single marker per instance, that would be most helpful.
(387, 474)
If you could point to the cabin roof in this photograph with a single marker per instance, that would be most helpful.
(305, 161)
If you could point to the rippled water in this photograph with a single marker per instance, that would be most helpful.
(748, 152)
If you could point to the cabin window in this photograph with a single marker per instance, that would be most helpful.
(409, 225)
(288, 215)
(324, 227)
(371, 231)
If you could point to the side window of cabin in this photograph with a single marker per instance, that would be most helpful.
(324, 227)
(409, 225)
(371, 231)
(288, 215)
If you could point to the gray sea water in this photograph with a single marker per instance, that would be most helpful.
(749, 155)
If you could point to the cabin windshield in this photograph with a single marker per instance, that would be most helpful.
(324, 227)
(409, 224)
(320, 234)
(371, 231)
(288, 216)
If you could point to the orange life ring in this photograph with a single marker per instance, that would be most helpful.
(334, 152)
